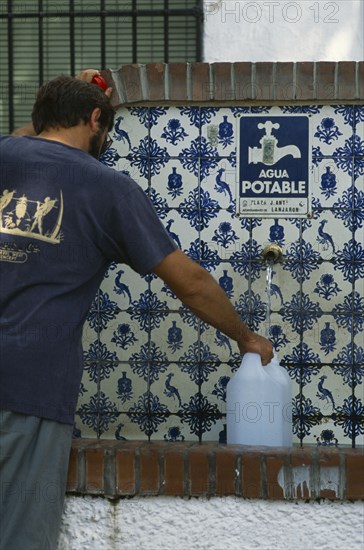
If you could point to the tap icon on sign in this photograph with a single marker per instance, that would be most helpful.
(269, 153)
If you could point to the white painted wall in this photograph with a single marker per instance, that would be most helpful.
(274, 30)
(168, 523)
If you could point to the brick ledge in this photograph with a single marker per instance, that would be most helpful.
(124, 469)
(277, 82)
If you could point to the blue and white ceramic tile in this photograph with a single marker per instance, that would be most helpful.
(175, 429)
(247, 257)
(349, 261)
(176, 131)
(123, 337)
(280, 231)
(282, 336)
(329, 335)
(191, 211)
(198, 361)
(219, 346)
(171, 427)
(129, 167)
(216, 432)
(357, 406)
(129, 329)
(321, 241)
(200, 415)
(324, 385)
(173, 183)
(89, 334)
(331, 131)
(348, 210)
(99, 362)
(329, 183)
(147, 414)
(231, 281)
(122, 428)
(359, 155)
(359, 177)
(327, 434)
(299, 353)
(88, 387)
(359, 130)
(327, 286)
(359, 196)
(332, 400)
(301, 260)
(127, 133)
(286, 280)
(96, 414)
(302, 313)
(103, 310)
(359, 119)
(221, 185)
(283, 288)
(359, 288)
(215, 388)
(219, 129)
(173, 336)
(174, 386)
(122, 286)
(316, 321)
(284, 232)
(349, 364)
(125, 383)
(221, 235)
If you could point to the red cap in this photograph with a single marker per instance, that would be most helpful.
(99, 81)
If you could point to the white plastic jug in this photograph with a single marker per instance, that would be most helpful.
(259, 404)
(280, 374)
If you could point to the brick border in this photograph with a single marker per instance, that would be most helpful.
(279, 82)
(129, 468)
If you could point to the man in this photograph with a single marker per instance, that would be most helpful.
(64, 218)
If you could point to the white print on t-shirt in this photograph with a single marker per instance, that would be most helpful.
(22, 216)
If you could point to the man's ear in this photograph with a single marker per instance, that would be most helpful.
(95, 115)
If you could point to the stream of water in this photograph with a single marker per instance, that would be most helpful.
(268, 291)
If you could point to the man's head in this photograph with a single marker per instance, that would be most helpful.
(66, 102)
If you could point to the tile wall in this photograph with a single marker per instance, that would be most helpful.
(152, 370)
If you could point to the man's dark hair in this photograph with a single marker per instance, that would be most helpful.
(65, 102)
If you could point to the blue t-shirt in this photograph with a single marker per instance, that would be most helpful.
(63, 218)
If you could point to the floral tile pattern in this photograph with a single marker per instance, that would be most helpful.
(173, 183)
(176, 132)
(332, 127)
(152, 370)
(329, 182)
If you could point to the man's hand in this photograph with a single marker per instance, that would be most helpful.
(254, 343)
(88, 74)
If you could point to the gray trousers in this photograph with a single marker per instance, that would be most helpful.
(34, 454)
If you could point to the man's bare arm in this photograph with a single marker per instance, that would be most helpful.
(199, 291)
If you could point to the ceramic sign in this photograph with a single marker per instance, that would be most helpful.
(273, 167)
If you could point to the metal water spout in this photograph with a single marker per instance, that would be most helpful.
(272, 253)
